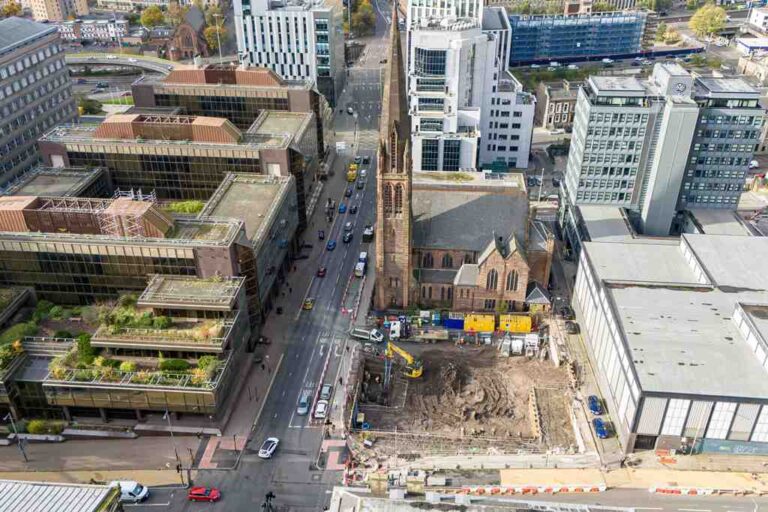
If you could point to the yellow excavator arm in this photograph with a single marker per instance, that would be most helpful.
(414, 367)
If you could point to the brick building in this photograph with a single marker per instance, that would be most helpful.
(466, 244)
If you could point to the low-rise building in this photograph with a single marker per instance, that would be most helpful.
(676, 332)
(754, 65)
(153, 153)
(93, 30)
(57, 497)
(758, 20)
(556, 104)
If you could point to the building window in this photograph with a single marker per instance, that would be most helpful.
(447, 261)
(398, 199)
(489, 304)
(387, 199)
(512, 278)
(429, 154)
(492, 280)
(467, 258)
(442, 293)
(423, 292)
(426, 260)
(431, 104)
(427, 124)
(451, 155)
(429, 292)
(429, 62)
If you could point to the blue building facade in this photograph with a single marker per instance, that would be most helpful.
(544, 38)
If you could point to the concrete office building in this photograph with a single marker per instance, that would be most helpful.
(62, 182)
(93, 30)
(540, 39)
(467, 110)
(727, 136)
(35, 92)
(297, 39)
(676, 332)
(57, 10)
(153, 153)
(659, 146)
(239, 95)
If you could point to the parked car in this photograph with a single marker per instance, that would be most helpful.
(331, 245)
(347, 237)
(601, 430)
(321, 271)
(326, 391)
(308, 304)
(352, 209)
(595, 407)
(342, 208)
(321, 409)
(572, 327)
(268, 447)
(200, 493)
(567, 313)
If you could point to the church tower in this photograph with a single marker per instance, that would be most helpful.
(393, 184)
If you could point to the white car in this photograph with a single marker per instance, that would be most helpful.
(321, 409)
(754, 164)
(268, 447)
(132, 60)
(363, 173)
(573, 66)
(607, 61)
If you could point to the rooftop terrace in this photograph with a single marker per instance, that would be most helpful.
(179, 292)
(52, 181)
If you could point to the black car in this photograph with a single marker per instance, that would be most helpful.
(353, 209)
(555, 182)
(348, 192)
(567, 313)
(572, 327)
(347, 237)
(366, 160)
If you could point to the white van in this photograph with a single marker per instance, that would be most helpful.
(359, 269)
(394, 330)
(130, 491)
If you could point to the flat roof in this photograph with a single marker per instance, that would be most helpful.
(675, 304)
(617, 85)
(253, 199)
(753, 42)
(714, 221)
(53, 497)
(605, 223)
(15, 32)
(469, 179)
(50, 181)
(275, 126)
(465, 219)
(727, 87)
(183, 292)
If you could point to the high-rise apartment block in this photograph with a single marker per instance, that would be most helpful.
(298, 39)
(35, 92)
(660, 145)
(57, 10)
(466, 109)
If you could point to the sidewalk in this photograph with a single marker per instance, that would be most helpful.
(148, 477)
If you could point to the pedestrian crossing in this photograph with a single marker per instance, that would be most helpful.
(368, 140)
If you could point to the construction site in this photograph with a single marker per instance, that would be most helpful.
(465, 399)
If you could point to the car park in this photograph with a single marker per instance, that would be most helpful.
(595, 407)
(321, 409)
(331, 245)
(342, 208)
(308, 304)
(347, 237)
(601, 429)
(200, 493)
(268, 447)
(326, 391)
(321, 271)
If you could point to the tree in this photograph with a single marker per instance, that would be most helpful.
(692, 5)
(176, 13)
(654, 5)
(708, 20)
(10, 9)
(212, 35)
(363, 19)
(132, 18)
(213, 15)
(152, 16)
(661, 31)
(602, 7)
(89, 107)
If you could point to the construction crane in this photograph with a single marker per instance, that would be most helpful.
(413, 366)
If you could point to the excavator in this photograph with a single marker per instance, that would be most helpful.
(414, 367)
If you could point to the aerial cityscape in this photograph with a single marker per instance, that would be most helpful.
(383, 255)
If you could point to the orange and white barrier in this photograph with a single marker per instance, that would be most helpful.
(486, 490)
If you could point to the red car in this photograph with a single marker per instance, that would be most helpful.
(204, 494)
(321, 272)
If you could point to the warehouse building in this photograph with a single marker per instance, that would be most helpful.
(677, 332)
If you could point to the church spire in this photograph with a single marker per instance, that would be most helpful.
(394, 104)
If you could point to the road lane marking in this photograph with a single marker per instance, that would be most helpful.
(694, 510)
(648, 508)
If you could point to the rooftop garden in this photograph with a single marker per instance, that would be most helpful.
(127, 322)
(189, 207)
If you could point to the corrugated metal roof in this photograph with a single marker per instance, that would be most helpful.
(14, 31)
(50, 497)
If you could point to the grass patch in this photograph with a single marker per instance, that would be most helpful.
(457, 177)
(531, 78)
(189, 207)
(124, 100)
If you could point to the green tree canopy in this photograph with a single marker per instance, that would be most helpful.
(11, 9)
(212, 35)
(602, 7)
(708, 20)
(363, 19)
(152, 16)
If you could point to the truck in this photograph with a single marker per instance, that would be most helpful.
(373, 335)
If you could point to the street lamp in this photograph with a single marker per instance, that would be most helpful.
(167, 416)
(218, 37)
(19, 441)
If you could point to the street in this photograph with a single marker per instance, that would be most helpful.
(313, 342)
